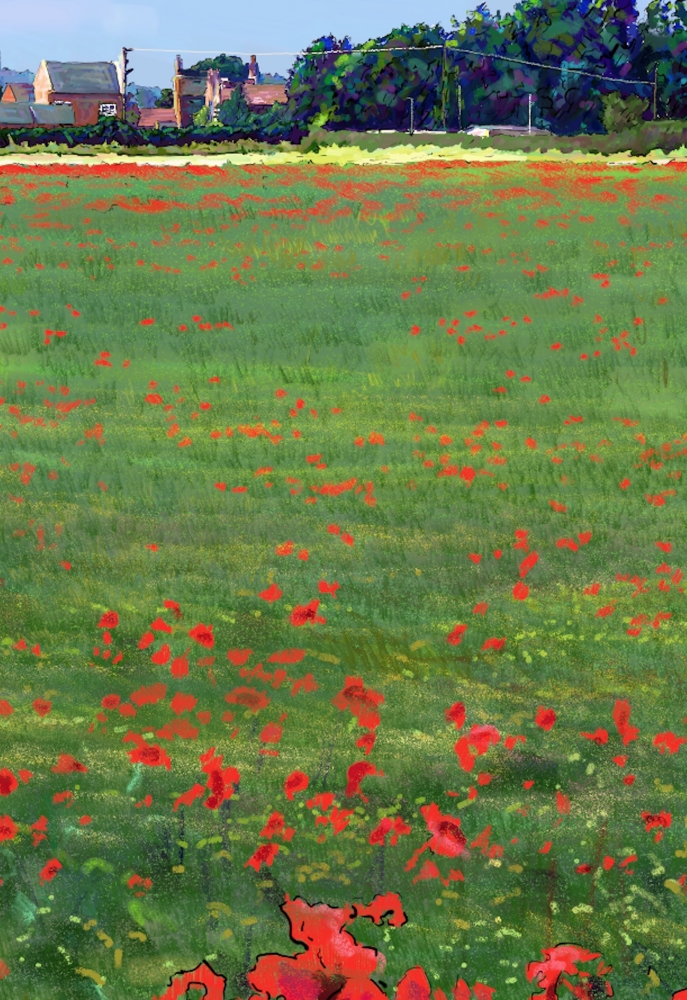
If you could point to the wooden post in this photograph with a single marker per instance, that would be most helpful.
(655, 88)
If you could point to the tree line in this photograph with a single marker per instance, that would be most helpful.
(489, 67)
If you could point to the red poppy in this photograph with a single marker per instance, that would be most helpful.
(149, 695)
(360, 701)
(162, 655)
(296, 782)
(250, 698)
(521, 591)
(42, 707)
(455, 637)
(599, 736)
(528, 563)
(562, 961)
(109, 620)
(160, 625)
(653, 821)
(202, 975)
(493, 643)
(304, 613)
(367, 742)
(414, 985)
(272, 733)
(182, 703)
(669, 741)
(8, 782)
(545, 718)
(387, 827)
(222, 782)
(271, 594)
(333, 962)
(49, 871)
(202, 634)
(355, 775)
(456, 714)
(147, 753)
(482, 737)
(286, 656)
(110, 701)
(8, 828)
(447, 838)
(264, 855)
(238, 656)
(621, 716)
(275, 827)
(66, 764)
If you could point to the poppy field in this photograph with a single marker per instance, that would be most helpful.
(342, 569)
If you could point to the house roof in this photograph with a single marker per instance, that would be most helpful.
(150, 117)
(52, 114)
(264, 95)
(21, 114)
(82, 77)
(20, 92)
(15, 113)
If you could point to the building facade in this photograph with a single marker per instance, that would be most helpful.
(189, 92)
(92, 89)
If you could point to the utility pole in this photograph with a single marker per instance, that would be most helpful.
(529, 113)
(655, 88)
(126, 73)
(443, 87)
(412, 114)
(460, 108)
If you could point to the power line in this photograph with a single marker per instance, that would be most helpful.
(416, 48)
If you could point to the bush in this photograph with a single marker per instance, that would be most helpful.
(621, 113)
(202, 117)
(271, 127)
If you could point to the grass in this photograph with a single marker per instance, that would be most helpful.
(222, 329)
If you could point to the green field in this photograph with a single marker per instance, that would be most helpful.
(229, 390)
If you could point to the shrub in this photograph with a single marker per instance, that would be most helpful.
(621, 113)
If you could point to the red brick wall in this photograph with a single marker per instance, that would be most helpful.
(87, 106)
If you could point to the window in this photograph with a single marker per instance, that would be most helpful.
(108, 109)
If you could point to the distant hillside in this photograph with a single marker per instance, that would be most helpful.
(15, 76)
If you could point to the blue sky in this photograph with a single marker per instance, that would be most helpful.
(96, 29)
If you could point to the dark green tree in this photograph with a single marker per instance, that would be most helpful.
(166, 98)
(664, 51)
(231, 68)
(235, 113)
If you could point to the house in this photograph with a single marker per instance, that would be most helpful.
(25, 114)
(259, 96)
(21, 93)
(189, 92)
(93, 88)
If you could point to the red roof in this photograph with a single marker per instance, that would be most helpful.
(264, 95)
(150, 117)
